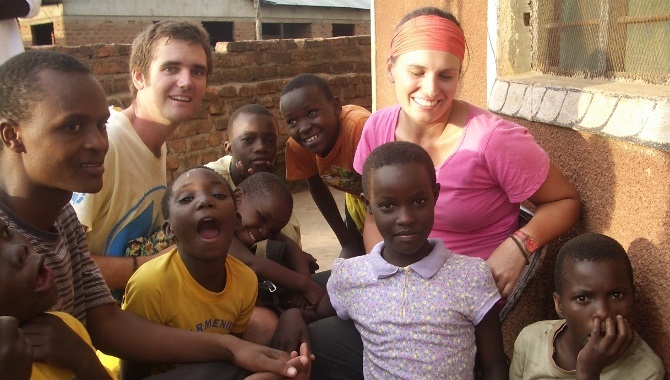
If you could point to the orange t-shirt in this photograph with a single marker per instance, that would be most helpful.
(336, 169)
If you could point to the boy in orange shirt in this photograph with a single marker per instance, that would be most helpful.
(324, 136)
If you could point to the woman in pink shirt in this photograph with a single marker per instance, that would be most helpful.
(486, 166)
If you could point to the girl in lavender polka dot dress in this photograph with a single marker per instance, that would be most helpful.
(423, 312)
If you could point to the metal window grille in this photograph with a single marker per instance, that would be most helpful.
(614, 39)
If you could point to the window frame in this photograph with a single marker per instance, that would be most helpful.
(609, 24)
(631, 111)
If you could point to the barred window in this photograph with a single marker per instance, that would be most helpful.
(610, 39)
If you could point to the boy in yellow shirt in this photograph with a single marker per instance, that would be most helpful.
(197, 286)
(28, 291)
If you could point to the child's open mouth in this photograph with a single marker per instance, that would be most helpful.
(209, 228)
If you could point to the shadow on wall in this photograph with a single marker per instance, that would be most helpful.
(651, 288)
(592, 173)
(624, 190)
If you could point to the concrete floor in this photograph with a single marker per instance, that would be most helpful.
(317, 237)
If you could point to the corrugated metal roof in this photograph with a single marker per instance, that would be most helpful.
(356, 4)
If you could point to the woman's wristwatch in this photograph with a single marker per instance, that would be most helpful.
(525, 242)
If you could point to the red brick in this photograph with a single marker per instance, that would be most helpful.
(211, 156)
(215, 139)
(211, 93)
(216, 108)
(267, 87)
(245, 91)
(228, 91)
(177, 146)
(198, 142)
(192, 161)
(105, 51)
(172, 162)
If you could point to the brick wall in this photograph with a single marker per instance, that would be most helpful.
(244, 31)
(79, 31)
(244, 72)
(321, 30)
(362, 29)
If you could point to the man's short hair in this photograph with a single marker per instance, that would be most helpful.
(19, 79)
(396, 153)
(253, 109)
(590, 247)
(263, 184)
(305, 80)
(145, 44)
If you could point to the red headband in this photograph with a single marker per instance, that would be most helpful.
(428, 33)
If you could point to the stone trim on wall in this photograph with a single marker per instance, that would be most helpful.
(625, 110)
(636, 113)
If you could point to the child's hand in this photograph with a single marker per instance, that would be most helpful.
(311, 262)
(15, 352)
(305, 357)
(291, 331)
(302, 362)
(506, 263)
(240, 167)
(299, 301)
(600, 352)
(314, 293)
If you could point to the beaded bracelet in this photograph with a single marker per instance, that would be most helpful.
(523, 251)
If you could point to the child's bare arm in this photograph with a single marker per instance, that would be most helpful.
(292, 328)
(296, 259)
(488, 336)
(291, 331)
(54, 342)
(123, 334)
(325, 308)
(267, 269)
(324, 200)
(15, 353)
(600, 352)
